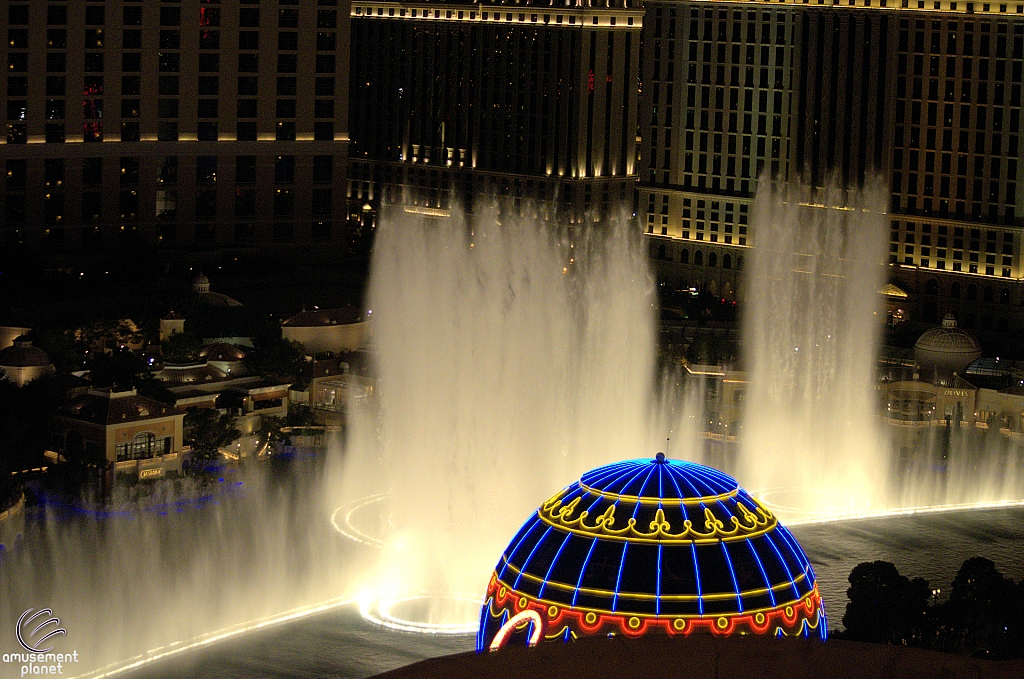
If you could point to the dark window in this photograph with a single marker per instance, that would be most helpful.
(95, 15)
(324, 108)
(285, 108)
(288, 63)
(247, 85)
(288, 18)
(169, 62)
(168, 85)
(131, 16)
(53, 172)
(322, 202)
(131, 39)
(245, 131)
(209, 85)
(247, 108)
(131, 84)
(248, 63)
(94, 62)
(170, 40)
(248, 40)
(16, 133)
(130, 108)
(170, 16)
(17, 15)
(54, 133)
(129, 131)
(17, 86)
(323, 169)
(323, 131)
(17, 62)
(206, 130)
(245, 203)
(56, 38)
(209, 40)
(209, 63)
(56, 62)
(167, 131)
(325, 87)
(287, 40)
(17, 171)
(207, 108)
(326, 18)
(56, 15)
(245, 170)
(284, 203)
(17, 38)
(129, 171)
(249, 17)
(206, 204)
(92, 171)
(206, 169)
(286, 131)
(325, 63)
(167, 108)
(326, 41)
(286, 86)
(55, 109)
(131, 62)
(284, 169)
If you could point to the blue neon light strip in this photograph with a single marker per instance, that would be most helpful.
(547, 575)
(583, 571)
(764, 574)
(789, 573)
(657, 592)
(532, 551)
(696, 572)
(508, 558)
(618, 579)
(732, 572)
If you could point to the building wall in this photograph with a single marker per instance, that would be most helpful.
(925, 98)
(187, 124)
(523, 102)
(336, 338)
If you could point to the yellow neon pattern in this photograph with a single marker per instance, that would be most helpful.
(747, 525)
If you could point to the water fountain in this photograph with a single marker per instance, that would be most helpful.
(811, 442)
(509, 359)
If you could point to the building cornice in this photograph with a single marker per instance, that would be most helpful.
(554, 17)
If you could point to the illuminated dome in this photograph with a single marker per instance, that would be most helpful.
(948, 348)
(650, 547)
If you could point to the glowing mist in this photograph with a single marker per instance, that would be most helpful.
(510, 361)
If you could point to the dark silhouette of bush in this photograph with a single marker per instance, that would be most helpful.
(886, 607)
(983, 617)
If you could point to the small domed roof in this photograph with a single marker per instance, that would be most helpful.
(947, 347)
(651, 546)
(200, 279)
(23, 355)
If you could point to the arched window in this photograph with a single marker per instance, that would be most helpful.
(698, 258)
(739, 263)
(684, 256)
(972, 292)
(143, 445)
(930, 311)
(712, 259)
(954, 290)
(987, 294)
(726, 261)
(1004, 296)
(661, 251)
(931, 287)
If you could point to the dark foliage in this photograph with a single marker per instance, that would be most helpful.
(984, 615)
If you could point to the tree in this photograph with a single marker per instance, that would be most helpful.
(979, 612)
(276, 356)
(181, 348)
(206, 430)
(885, 607)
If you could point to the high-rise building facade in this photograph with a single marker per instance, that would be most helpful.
(188, 123)
(924, 95)
(520, 101)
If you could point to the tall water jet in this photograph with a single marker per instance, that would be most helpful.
(811, 441)
(509, 359)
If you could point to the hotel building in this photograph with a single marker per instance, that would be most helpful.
(174, 123)
(924, 94)
(525, 101)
